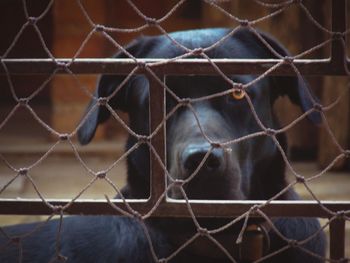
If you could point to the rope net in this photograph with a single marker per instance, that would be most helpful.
(172, 184)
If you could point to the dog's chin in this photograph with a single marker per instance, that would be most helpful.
(207, 187)
(176, 193)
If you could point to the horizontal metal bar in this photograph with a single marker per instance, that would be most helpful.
(168, 67)
(178, 208)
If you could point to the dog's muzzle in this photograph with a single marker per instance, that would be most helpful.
(202, 158)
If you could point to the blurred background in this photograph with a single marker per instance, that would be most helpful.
(62, 100)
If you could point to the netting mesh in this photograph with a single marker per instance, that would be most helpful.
(149, 68)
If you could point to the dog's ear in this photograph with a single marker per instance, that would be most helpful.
(107, 84)
(295, 87)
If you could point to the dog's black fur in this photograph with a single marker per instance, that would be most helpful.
(252, 169)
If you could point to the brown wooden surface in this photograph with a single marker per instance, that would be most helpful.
(28, 46)
(70, 30)
(338, 120)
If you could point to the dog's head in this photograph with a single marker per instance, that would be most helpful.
(237, 170)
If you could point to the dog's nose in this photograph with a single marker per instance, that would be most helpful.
(194, 154)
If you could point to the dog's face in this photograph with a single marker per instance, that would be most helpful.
(200, 135)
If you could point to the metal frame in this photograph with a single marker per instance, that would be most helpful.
(335, 65)
(332, 66)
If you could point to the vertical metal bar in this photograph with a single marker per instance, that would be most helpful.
(337, 239)
(338, 52)
(157, 115)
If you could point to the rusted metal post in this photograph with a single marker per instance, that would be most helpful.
(157, 115)
(337, 239)
(338, 51)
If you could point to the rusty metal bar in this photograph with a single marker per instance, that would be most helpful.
(178, 67)
(201, 208)
(337, 239)
(157, 115)
(338, 52)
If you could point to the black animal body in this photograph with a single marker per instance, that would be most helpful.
(250, 170)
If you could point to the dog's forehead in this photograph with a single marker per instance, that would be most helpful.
(196, 86)
(220, 44)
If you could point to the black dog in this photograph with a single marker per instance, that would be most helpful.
(251, 169)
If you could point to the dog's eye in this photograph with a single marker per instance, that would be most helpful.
(238, 94)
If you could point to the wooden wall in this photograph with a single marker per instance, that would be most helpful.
(27, 46)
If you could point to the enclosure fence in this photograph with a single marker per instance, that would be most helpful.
(159, 205)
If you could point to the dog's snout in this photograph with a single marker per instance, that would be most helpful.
(194, 154)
